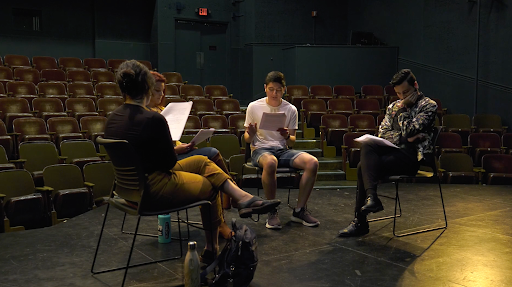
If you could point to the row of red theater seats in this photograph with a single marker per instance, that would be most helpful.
(65, 63)
(42, 63)
(23, 88)
(456, 123)
(46, 108)
(55, 75)
(340, 90)
(313, 109)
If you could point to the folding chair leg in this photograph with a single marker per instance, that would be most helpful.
(131, 250)
(427, 229)
(99, 239)
(397, 201)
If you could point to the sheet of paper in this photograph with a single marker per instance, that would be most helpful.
(272, 121)
(379, 141)
(176, 114)
(202, 135)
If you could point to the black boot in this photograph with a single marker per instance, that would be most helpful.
(357, 227)
(372, 205)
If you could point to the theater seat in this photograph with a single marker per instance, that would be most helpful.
(71, 196)
(24, 205)
(70, 63)
(44, 62)
(93, 64)
(497, 169)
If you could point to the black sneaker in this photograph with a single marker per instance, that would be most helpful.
(355, 229)
(304, 217)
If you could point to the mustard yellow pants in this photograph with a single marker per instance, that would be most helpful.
(192, 179)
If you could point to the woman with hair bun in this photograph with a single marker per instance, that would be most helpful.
(184, 150)
(173, 183)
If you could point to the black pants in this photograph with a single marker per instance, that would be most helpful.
(378, 162)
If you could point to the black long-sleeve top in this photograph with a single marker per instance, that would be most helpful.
(147, 132)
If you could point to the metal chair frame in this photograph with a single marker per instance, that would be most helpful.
(396, 179)
(280, 170)
(133, 179)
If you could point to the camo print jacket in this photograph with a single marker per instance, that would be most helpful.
(402, 123)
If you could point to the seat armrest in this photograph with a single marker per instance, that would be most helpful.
(19, 163)
(62, 159)
(44, 189)
(88, 184)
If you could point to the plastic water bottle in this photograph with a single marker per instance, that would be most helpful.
(191, 267)
(164, 228)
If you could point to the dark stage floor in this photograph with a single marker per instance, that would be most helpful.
(475, 250)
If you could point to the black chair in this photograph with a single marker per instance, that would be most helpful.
(129, 188)
(430, 162)
(289, 174)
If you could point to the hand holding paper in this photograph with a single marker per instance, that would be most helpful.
(252, 129)
(202, 135)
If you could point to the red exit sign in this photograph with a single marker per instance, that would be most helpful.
(203, 11)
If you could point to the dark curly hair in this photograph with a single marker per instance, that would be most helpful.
(134, 80)
(402, 76)
(275, 77)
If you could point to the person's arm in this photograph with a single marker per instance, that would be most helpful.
(250, 132)
(386, 130)
(288, 135)
(251, 128)
(184, 148)
(412, 126)
(163, 141)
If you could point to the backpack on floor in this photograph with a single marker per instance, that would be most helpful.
(238, 260)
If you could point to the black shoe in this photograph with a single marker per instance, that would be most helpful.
(354, 229)
(373, 205)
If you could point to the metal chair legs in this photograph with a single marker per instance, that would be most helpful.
(135, 233)
(422, 230)
(397, 201)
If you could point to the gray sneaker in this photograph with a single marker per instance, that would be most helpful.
(304, 217)
(273, 221)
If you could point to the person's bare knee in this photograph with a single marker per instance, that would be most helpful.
(306, 162)
(312, 165)
(268, 163)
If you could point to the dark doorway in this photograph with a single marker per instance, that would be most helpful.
(201, 53)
